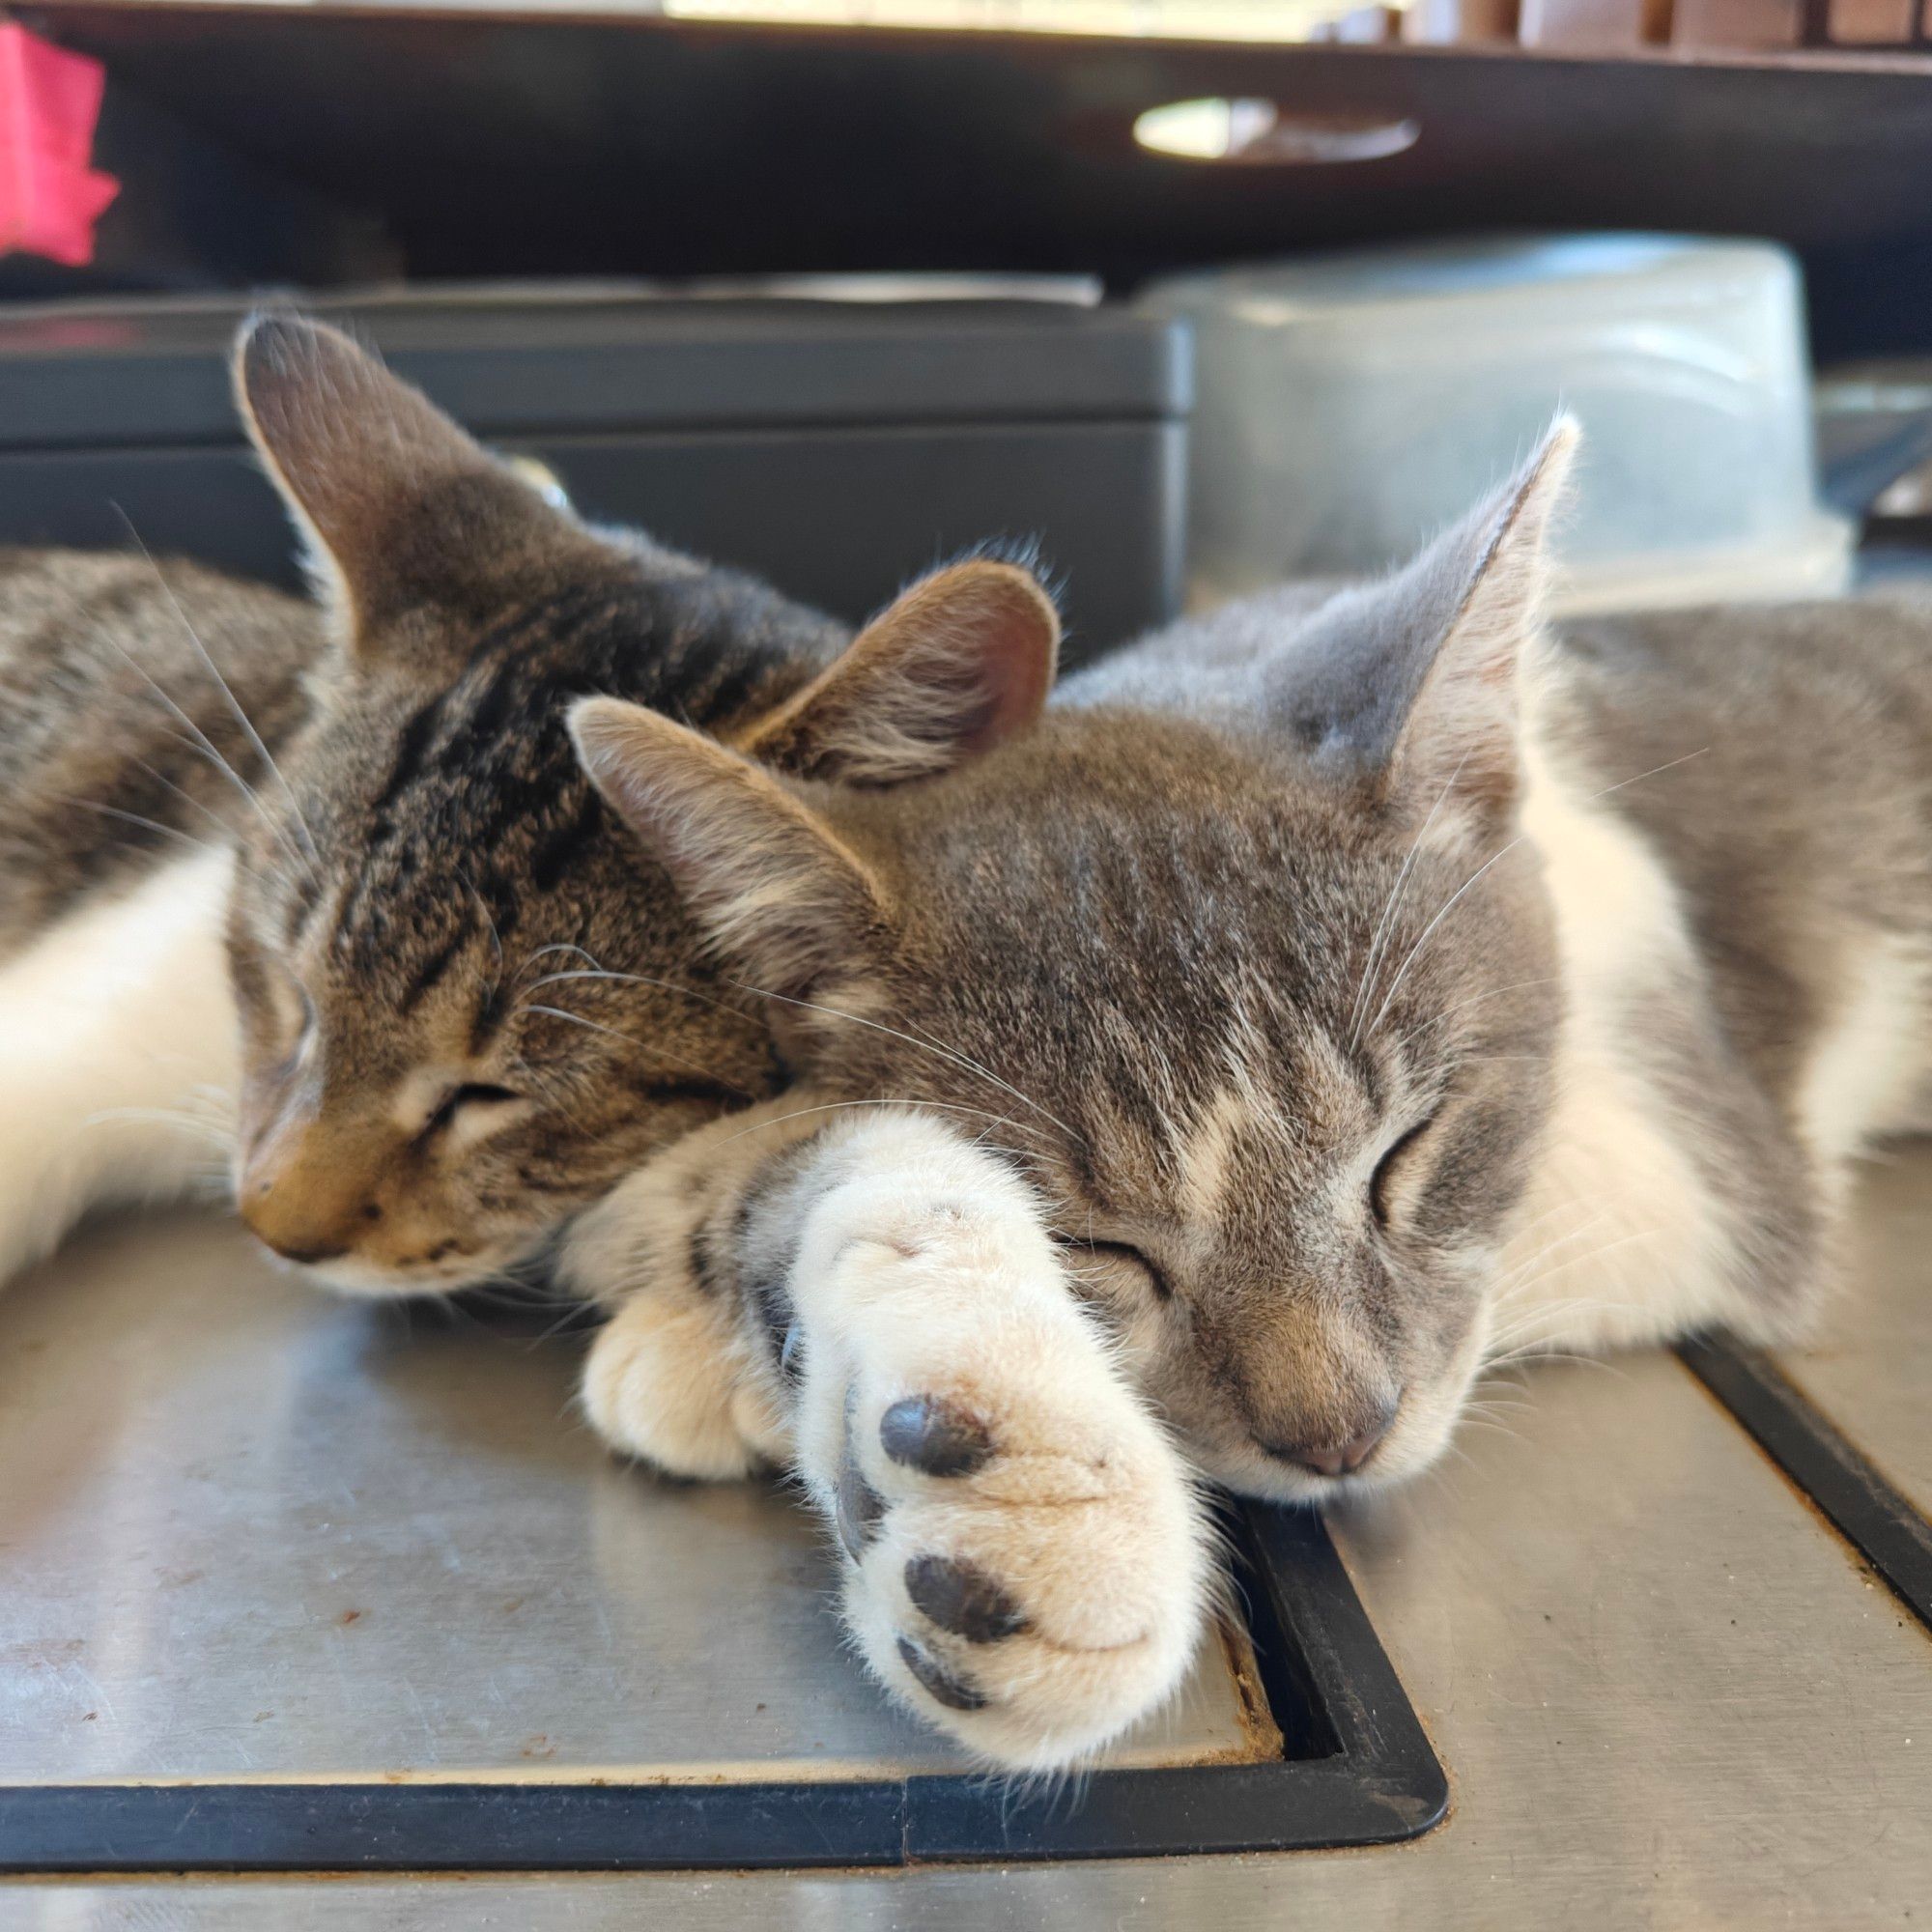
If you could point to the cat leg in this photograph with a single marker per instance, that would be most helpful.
(1027, 1564)
(118, 1057)
(681, 1376)
(1027, 1561)
(665, 1382)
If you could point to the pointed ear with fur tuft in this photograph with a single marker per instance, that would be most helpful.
(1411, 684)
(959, 662)
(398, 507)
(766, 879)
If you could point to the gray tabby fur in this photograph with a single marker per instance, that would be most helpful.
(1369, 985)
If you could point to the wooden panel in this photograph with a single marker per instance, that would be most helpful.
(1875, 22)
(1605, 24)
(1449, 20)
(1739, 23)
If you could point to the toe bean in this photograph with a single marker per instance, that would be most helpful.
(930, 1434)
(961, 1598)
(939, 1682)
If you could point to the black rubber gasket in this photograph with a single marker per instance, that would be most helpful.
(1357, 1769)
(1892, 1534)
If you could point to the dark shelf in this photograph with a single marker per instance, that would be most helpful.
(491, 144)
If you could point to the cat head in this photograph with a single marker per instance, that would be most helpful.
(1237, 954)
(469, 1002)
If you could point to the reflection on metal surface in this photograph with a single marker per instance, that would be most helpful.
(1665, 1694)
(1835, 1474)
(251, 1531)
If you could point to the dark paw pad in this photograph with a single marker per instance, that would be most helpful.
(926, 1433)
(858, 1507)
(961, 1598)
(938, 1681)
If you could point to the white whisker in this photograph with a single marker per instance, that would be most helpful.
(1449, 905)
(199, 741)
(234, 705)
(146, 824)
(1364, 991)
(945, 1053)
(1671, 766)
(844, 1106)
(649, 1046)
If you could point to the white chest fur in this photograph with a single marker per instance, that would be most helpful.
(117, 1056)
(1619, 1240)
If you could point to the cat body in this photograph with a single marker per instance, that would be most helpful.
(1365, 985)
(1733, 809)
(125, 773)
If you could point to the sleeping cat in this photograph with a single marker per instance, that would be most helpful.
(362, 834)
(1330, 996)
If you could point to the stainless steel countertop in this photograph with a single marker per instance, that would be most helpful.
(1870, 1364)
(252, 1531)
(1666, 1692)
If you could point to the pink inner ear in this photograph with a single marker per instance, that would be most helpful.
(1016, 664)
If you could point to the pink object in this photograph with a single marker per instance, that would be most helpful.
(49, 196)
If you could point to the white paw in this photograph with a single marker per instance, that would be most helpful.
(1029, 1566)
(665, 1381)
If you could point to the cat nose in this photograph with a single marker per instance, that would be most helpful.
(303, 1211)
(1335, 1458)
(307, 1256)
(291, 1234)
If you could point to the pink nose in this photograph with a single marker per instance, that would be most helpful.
(1335, 1459)
(1344, 1458)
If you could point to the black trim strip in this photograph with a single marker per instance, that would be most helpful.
(1362, 1773)
(1882, 1524)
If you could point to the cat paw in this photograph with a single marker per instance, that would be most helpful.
(1026, 1563)
(665, 1382)
(674, 1378)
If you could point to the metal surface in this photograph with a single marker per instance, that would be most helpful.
(249, 1531)
(1665, 1693)
(1837, 1478)
(1869, 1367)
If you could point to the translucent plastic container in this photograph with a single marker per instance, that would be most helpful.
(1349, 405)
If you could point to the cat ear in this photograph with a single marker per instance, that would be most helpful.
(397, 506)
(1412, 684)
(962, 659)
(767, 880)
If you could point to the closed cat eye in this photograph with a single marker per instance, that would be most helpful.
(1381, 1183)
(476, 1094)
(295, 1013)
(1123, 1251)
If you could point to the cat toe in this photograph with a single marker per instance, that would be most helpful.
(934, 1436)
(938, 1682)
(857, 1508)
(963, 1598)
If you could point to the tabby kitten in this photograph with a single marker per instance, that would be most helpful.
(1332, 995)
(331, 888)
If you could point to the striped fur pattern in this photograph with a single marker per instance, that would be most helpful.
(327, 886)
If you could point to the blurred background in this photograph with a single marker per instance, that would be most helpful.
(1201, 293)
